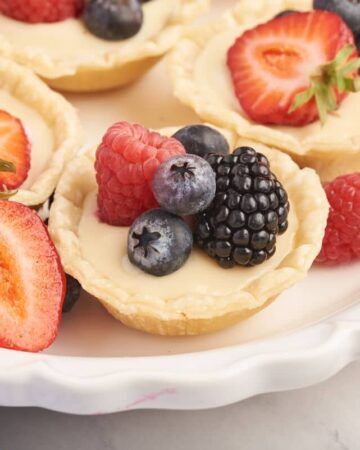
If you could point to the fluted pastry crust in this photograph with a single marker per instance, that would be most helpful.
(61, 118)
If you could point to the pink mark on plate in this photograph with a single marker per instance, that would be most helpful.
(151, 397)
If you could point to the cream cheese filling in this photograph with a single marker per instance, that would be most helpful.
(105, 247)
(71, 40)
(38, 131)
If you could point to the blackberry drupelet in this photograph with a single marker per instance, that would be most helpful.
(249, 210)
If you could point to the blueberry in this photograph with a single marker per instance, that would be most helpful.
(159, 242)
(202, 140)
(113, 19)
(349, 10)
(184, 184)
(286, 12)
(73, 291)
(357, 41)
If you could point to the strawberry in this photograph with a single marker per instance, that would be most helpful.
(294, 69)
(41, 11)
(14, 148)
(32, 281)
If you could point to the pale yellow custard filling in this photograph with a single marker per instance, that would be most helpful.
(200, 274)
(38, 131)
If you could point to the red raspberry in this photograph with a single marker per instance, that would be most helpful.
(126, 161)
(38, 11)
(342, 236)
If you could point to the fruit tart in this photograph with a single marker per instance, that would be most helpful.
(283, 73)
(39, 133)
(186, 234)
(78, 45)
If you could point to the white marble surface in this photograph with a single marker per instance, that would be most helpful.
(323, 417)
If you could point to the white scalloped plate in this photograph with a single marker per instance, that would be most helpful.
(99, 366)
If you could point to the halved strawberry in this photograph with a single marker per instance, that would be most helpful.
(274, 62)
(15, 148)
(32, 281)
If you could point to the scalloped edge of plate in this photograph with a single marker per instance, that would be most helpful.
(78, 386)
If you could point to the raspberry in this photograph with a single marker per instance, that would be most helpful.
(39, 11)
(126, 162)
(342, 238)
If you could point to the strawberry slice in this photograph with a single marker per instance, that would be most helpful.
(14, 148)
(273, 63)
(32, 281)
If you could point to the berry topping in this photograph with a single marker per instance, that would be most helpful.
(159, 242)
(249, 210)
(73, 291)
(14, 148)
(37, 11)
(294, 69)
(342, 235)
(184, 184)
(32, 280)
(349, 10)
(113, 19)
(126, 161)
(202, 140)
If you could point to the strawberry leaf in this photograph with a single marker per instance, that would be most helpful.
(350, 67)
(7, 166)
(342, 56)
(339, 74)
(5, 195)
(320, 99)
(302, 98)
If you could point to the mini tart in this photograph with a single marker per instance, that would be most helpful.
(68, 57)
(202, 81)
(200, 297)
(51, 124)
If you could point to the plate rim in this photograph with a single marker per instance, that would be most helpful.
(72, 384)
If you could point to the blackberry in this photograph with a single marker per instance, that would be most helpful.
(73, 291)
(249, 210)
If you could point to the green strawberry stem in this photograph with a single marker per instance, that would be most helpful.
(335, 74)
(7, 166)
